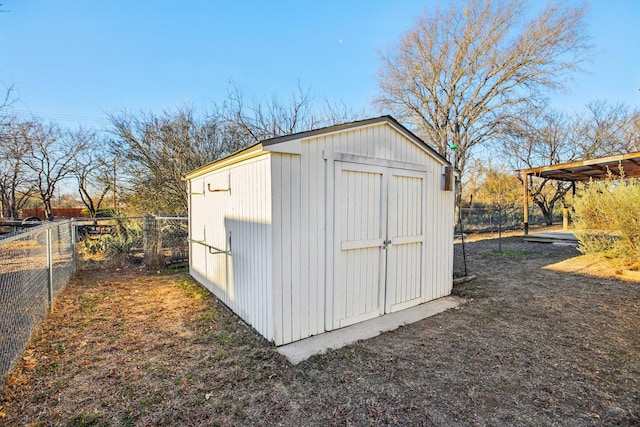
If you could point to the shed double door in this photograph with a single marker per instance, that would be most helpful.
(379, 241)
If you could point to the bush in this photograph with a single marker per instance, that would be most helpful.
(122, 240)
(607, 219)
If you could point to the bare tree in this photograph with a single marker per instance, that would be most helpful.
(16, 186)
(457, 75)
(536, 137)
(540, 136)
(5, 101)
(257, 120)
(94, 182)
(92, 170)
(606, 129)
(51, 157)
(155, 151)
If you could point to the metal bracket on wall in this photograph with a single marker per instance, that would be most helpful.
(212, 249)
(217, 190)
(215, 251)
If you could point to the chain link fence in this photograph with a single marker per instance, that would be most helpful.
(167, 241)
(496, 217)
(37, 264)
(485, 219)
(34, 267)
(156, 242)
(490, 218)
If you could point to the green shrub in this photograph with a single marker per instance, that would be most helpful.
(125, 236)
(94, 246)
(607, 219)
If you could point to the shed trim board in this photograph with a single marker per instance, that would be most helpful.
(327, 131)
(323, 229)
(352, 158)
(245, 154)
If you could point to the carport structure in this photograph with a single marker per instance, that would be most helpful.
(627, 165)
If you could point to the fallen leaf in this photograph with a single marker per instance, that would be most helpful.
(29, 362)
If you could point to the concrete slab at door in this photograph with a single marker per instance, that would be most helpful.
(360, 230)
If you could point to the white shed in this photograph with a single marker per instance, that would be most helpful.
(315, 231)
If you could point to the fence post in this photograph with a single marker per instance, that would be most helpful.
(146, 228)
(50, 265)
(150, 239)
(74, 260)
(145, 235)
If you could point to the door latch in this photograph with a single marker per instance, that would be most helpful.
(386, 244)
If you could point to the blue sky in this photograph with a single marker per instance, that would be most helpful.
(76, 61)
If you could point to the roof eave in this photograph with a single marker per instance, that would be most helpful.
(358, 124)
(238, 156)
(267, 145)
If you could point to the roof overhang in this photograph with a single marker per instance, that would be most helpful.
(291, 144)
(269, 144)
(627, 165)
(245, 154)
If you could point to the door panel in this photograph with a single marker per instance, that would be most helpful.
(379, 241)
(360, 221)
(406, 232)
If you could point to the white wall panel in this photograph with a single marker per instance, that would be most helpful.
(235, 213)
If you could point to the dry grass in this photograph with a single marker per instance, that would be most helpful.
(533, 346)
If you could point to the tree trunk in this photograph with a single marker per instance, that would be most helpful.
(547, 213)
(87, 201)
(48, 211)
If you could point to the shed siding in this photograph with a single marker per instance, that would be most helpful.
(440, 206)
(291, 294)
(239, 219)
(197, 253)
(303, 207)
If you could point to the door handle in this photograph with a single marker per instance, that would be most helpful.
(385, 244)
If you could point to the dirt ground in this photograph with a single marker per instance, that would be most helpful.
(540, 341)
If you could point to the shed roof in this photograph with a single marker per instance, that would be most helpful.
(585, 170)
(349, 125)
(265, 144)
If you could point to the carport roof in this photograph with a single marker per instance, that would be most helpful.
(585, 170)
